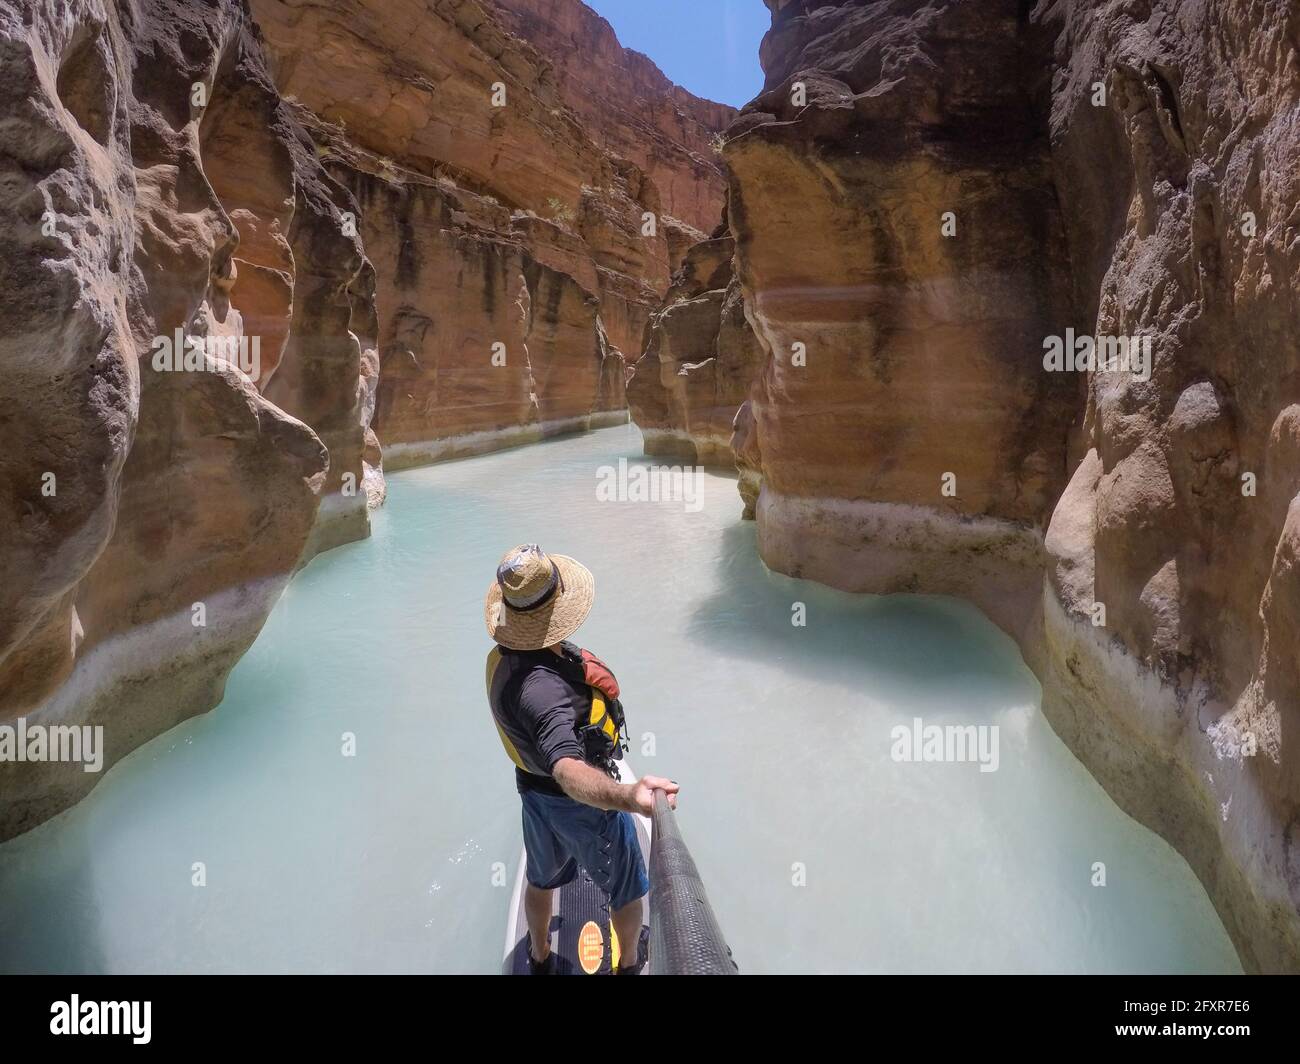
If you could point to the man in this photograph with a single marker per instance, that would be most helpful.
(557, 712)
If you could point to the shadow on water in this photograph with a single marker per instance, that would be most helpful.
(892, 639)
(946, 868)
(30, 942)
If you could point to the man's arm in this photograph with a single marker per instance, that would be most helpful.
(587, 784)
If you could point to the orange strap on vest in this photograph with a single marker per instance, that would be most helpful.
(598, 675)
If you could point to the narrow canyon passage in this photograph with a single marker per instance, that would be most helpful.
(780, 735)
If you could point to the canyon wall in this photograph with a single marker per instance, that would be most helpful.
(448, 225)
(159, 482)
(237, 253)
(700, 358)
(628, 107)
(922, 196)
(1182, 516)
(527, 188)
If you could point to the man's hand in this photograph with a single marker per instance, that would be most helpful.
(585, 783)
(643, 794)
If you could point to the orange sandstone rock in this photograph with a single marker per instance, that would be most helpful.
(700, 360)
(159, 191)
(523, 202)
(1108, 170)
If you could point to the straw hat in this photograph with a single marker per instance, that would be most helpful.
(538, 599)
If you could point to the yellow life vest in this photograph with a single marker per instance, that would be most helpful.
(604, 719)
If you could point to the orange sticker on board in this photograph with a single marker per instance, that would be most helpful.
(591, 947)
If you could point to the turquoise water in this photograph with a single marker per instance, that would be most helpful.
(400, 859)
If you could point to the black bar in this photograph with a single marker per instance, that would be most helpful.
(966, 1013)
(685, 938)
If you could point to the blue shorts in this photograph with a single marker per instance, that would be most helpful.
(560, 835)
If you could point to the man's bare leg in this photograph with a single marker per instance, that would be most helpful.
(627, 925)
(537, 907)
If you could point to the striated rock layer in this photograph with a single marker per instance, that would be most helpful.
(956, 184)
(161, 193)
(627, 105)
(160, 207)
(700, 359)
(527, 188)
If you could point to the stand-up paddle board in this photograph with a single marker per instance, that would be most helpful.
(582, 936)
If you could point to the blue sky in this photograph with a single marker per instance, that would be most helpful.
(707, 46)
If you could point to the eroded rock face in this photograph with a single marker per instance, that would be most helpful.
(527, 188)
(158, 196)
(1180, 518)
(484, 344)
(1105, 518)
(161, 193)
(918, 336)
(630, 108)
(700, 360)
